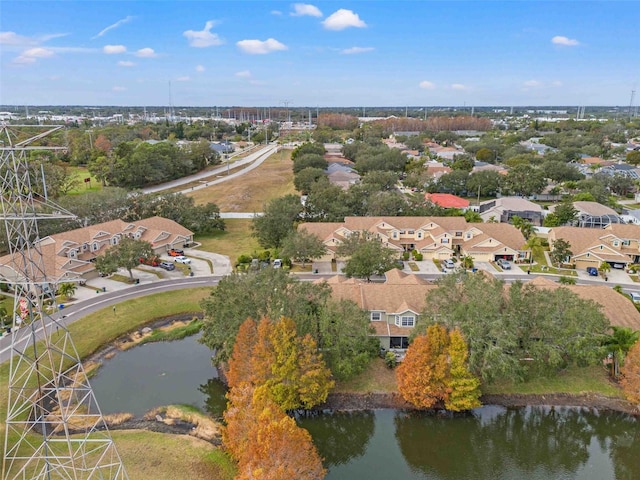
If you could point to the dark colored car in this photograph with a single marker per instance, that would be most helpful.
(593, 271)
(167, 266)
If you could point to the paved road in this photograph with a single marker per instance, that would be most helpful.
(218, 174)
(76, 311)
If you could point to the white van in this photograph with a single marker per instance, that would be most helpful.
(448, 263)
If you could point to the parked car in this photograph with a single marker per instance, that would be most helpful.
(175, 252)
(153, 261)
(593, 271)
(182, 259)
(448, 263)
(504, 264)
(277, 263)
(635, 297)
(167, 265)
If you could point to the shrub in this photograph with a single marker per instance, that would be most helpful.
(405, 256)
(244, 259)
(417, 256)
(390, 359)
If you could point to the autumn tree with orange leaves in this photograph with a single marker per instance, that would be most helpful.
(267, 443)
(435, 371)
(630, 371)
(423, 373)
(272, 357)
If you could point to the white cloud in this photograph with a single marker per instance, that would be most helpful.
(305, 9)
(259, 47)
(200, 68)
(567, 42)
(118, 88)
(127, 19)
(114, 49)
(427, 85)
(146, 53)
(532, 83)
(33, 54)
(243, 74)
(185, 78)
(342, 19)
(12, 38)
(458, 86)
(276, 12)
(203, 38)
(125, 63)
(356, 50)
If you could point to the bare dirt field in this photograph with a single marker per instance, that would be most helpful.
(249, 192)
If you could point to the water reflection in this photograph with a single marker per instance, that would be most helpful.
(215, 401)
(340, 438)
(535, 443)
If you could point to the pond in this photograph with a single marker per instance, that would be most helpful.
(537, 443)
(157, 374)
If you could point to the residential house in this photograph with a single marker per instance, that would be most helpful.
(595, 215)
(70, 255)
(436, 169)
(623, 169)
(447, 200)
(394, 306)
(503, 210)
(435, 237)
(342, 175)
(446, 153)
(620, 311)
(616, 244)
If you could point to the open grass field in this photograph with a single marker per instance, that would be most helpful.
(234, 241)
(81, 173)
(249, 192)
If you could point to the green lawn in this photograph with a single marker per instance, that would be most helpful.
(81, 173)
(234, 241)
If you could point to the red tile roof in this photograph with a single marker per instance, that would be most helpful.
(446, 200)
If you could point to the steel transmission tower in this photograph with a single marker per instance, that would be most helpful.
(54, 428)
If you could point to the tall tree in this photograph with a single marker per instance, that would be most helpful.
(502, 329)
(241, 367)
(367, 256)
(302, 247)
(560, 251)
(340, 328)
(423, 374)
(127, 253)
(464, 387)
(278, 221)
(525, 226)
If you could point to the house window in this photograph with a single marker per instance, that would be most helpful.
(444, 240)
(72, 253)
(419, 235)
(399, 342)
(468, 236)
(94, 246)
(626, 243)
(616, 243)
(410, 232)
(114, 240)
(376, 316)
(458, 234)
(395, 235)
(85, 247)
(136, 235)
(405, 320)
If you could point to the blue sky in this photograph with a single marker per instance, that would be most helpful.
(362, 53)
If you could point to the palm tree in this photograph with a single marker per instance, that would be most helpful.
(618, 344)
(67, 289)
(604, 269)
(466, 262)
(525, 226)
